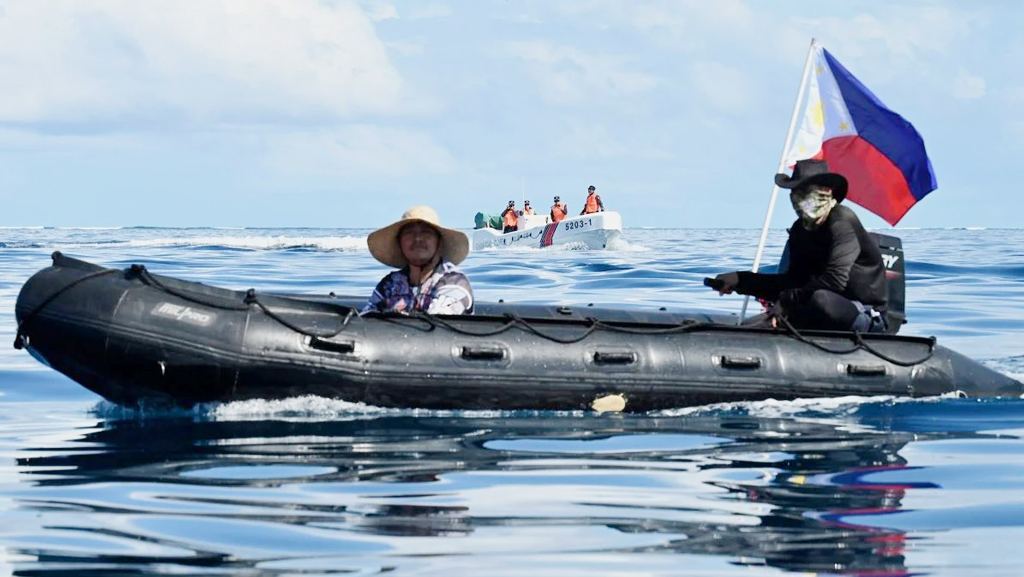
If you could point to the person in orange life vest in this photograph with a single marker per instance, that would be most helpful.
(558, 210)
(526, 209)
(509, 217)
(593, 203)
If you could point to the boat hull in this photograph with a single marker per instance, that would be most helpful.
(592, 231)
(136, 338)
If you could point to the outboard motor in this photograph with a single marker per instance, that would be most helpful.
(895, 279)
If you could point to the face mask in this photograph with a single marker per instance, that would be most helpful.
(812, 206)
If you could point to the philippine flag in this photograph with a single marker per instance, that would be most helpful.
(880, 154)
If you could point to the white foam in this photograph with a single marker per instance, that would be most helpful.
(620, 244)
(615, 245)
(307, 408)
(773, 408)
(528, 249)
(325, 243)
(1012, 367)
(313, 408)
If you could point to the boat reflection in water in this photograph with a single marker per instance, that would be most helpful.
(503, 493)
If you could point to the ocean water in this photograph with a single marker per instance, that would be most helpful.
(307, 486)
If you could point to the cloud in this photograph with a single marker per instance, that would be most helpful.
(378, 10)
(430, 11)
(902, 31)
(20, 140)
(894, 48)
(405, 48)
(195, 60)
(590, 140)
(354, 151)
(567, 76)
(1015, 96)
(966, 86)
(584, 140)
(688, 22)
(722, 87)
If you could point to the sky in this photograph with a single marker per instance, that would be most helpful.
(317, 113)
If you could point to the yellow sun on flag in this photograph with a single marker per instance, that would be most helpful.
(818, 113)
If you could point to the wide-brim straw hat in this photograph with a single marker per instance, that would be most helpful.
(383, 243)
(814, 171)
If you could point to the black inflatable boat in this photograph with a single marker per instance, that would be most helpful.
(135, 337)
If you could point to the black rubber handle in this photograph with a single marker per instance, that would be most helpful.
(344, 347)
(714, 283)
(483, 353)
(866, 370)
(741, 362)
(614, 357)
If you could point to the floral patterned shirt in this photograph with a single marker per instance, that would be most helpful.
(445, 292)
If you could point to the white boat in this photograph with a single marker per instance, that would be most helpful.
(591, 231)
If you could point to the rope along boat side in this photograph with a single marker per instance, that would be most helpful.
(135, 337)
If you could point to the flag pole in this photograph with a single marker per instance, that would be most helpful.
(782, 166)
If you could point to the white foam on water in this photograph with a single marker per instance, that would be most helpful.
(326, 243)
(528, 249)
(88, 228)
(1012, 367)
(313, 408)
(620, 244)
(1015, 375)
(493, 248)
(615, 245)
(306, 408)
(773, 408)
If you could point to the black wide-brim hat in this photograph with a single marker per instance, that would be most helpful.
(812, 171)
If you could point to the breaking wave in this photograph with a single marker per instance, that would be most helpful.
(318, 244)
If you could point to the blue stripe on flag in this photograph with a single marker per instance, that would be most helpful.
(887, 131)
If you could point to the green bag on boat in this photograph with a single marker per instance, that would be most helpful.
(487, 221)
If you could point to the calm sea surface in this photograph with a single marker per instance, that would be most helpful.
(308, 486)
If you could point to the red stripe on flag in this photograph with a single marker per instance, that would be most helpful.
(875, 182)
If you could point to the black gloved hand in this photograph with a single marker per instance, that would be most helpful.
(790, 297)
(724, 283)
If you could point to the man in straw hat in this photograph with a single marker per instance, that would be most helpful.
(426, 253)
(835, 279)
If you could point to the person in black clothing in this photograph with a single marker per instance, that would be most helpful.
(836, 278)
